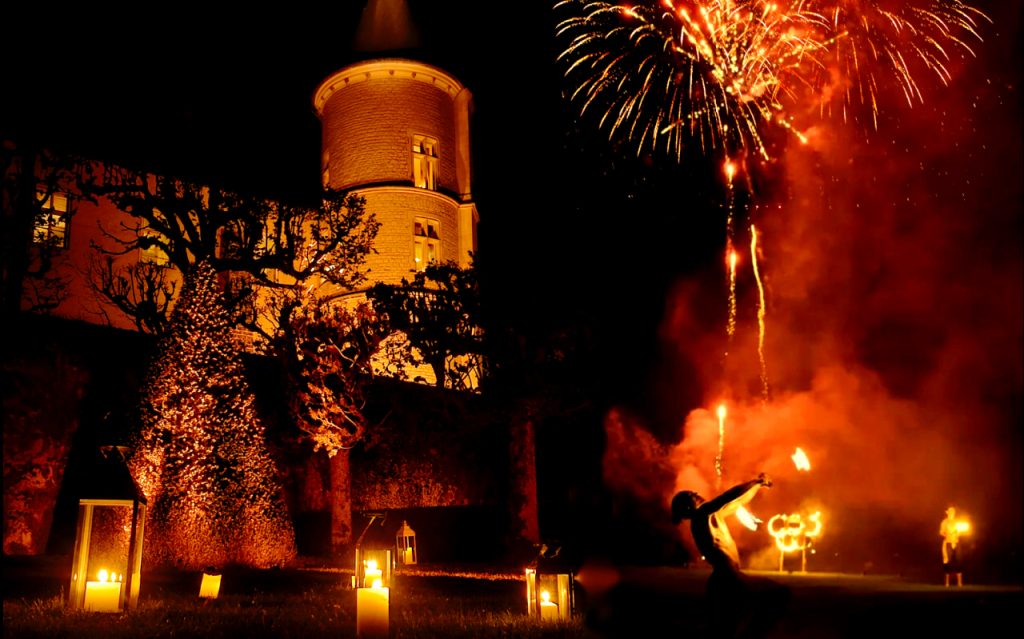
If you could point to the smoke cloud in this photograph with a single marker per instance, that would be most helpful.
(893, 271)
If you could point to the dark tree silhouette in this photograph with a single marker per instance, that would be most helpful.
(438, 312)
(37, 210)
(258, 243)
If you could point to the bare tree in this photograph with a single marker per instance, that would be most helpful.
(257, 243)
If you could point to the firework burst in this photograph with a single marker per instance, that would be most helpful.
(719, 72)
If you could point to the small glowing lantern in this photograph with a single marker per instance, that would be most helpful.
(549, 594)
(373, 591)
(405, 542)
(107, 560)
(209, 588)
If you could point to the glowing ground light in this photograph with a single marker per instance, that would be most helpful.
(800, 459)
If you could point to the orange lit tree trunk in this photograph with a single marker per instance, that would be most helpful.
(341, 500)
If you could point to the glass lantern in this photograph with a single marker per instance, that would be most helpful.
(405, 543)
(107, 560)
(372, 565)
(549, 594)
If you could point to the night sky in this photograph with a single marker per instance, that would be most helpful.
(892, 258)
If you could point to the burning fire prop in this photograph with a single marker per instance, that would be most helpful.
(800, 460)
(795, 532)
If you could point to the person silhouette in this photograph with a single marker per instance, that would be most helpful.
(740, 605)
(950, 531)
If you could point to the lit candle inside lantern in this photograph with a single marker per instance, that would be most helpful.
(371, 573)
(372, 607)
(548, 608)
(407, 555)
(103, 595)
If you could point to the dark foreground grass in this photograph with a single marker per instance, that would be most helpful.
(291, 603)
(645, 602)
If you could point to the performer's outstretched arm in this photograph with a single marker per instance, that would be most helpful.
(730, 501)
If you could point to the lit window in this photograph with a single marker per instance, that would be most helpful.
(51, 223)
(426, 242)
(424, 162)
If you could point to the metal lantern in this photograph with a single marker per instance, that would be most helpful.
(549, 593)
(405, 543)
(107, 561)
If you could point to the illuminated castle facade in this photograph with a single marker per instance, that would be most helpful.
(394, 131)
(397, 132)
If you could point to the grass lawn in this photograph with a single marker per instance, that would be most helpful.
(441, 602)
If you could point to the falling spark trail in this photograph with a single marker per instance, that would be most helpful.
(721, 445)
(730, 252)
(760, 313)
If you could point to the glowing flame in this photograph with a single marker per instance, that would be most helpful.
(800, 459)
(963, 527)
(371, 565)
(747, 518)
(794, 532)
(545, 596)
(730, 170)
(103, 575)
(377, 583)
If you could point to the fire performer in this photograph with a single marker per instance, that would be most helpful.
(950, 531)
(741, 605)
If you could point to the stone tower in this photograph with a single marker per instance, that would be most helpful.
(396, 131)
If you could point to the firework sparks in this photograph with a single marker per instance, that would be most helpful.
(719, 72)
(721, 443)
(760, 313)
(731, 257)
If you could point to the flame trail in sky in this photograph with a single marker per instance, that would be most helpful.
(730, 253)
(760, 313)
(721, 444)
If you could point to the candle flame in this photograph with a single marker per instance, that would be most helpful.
(377, 583)
(747, 518)
(103, 574)
(545, 596)
(800, 459)
(371, 565)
